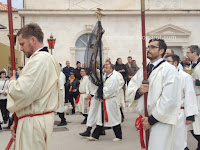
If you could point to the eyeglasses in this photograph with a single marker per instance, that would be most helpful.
(188, 52)
(169, 61)
(151, 47)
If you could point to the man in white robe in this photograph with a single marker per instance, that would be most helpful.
(193, 53)
(61, 109)
(34, 96)
(162, 103)
(93, 109)
(188, 104)
(111, 106)
(120, 96)
(83, 102)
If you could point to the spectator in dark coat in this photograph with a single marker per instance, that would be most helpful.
(132, 68)
(66, 70)
(77, 70)
(121, 68)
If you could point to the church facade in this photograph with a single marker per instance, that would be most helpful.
(71, 22)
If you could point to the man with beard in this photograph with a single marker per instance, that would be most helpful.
(162, 104)
(34, 96)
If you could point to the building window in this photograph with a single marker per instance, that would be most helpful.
(81, 45)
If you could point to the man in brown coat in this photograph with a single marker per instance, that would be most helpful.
(132, 68)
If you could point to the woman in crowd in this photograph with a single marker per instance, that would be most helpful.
(72, 89)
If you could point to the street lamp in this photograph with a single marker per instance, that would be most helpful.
(15, 37)
(51, 42)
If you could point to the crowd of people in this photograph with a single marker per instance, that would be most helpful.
(5, 115)
(44, 87)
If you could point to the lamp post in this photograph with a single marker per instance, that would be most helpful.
(51, 42)
(15, 36)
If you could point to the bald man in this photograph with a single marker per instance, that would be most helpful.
(169, 52)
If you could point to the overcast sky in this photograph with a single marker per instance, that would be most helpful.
(15, 3)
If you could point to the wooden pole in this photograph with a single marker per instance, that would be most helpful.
(11, 36)
(12, 53)
(144, 64)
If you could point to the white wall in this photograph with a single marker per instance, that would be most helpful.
(112, 4)
(4, 21)
(122, 27)
(121, 32)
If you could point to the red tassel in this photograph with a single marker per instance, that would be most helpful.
(138, 125)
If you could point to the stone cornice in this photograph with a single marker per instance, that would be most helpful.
(108, 12)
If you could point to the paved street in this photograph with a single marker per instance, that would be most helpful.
(70, 139)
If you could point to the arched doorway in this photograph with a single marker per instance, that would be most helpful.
(81, 44)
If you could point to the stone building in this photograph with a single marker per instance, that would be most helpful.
(71, 22)
(4, 40)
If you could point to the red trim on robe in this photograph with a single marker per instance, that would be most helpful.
(16, 122)
(78, 98)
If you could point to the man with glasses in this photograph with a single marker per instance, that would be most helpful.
(188, 104)
(162, 104)
(193, 54)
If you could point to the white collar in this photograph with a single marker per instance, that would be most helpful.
(157, 62)
(84, 76)
(196, 61)
(38, 50)
(109, 75)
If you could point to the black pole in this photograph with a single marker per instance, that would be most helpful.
(101, 68)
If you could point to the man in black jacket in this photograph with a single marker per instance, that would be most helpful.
(72, 89)
(77, 71)
(121, 68)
